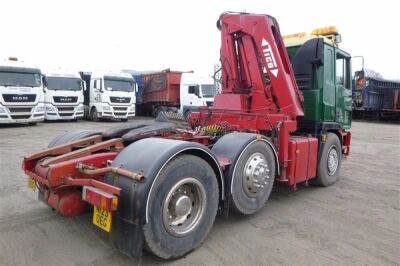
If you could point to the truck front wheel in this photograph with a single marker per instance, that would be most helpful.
(182, 206)
(329, 161)
(93, 115)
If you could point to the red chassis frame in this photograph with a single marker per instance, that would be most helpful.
(57, 171)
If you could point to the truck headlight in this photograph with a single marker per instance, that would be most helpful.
(132, 108)
(2, 110)
(40, 109)
(79, 108)
(106, 108)
(51, 109)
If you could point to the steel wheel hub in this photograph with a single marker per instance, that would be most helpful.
(255, 174)
(184, 206)
(333, 161)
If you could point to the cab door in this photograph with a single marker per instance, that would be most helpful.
(343, 89)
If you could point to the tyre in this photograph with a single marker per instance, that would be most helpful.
(253, 178)
(172, 109)
(187, 114)
(124, 120)
(182, 207)
(69, 136)
(94, 115)
(158, 110)
(329, 161)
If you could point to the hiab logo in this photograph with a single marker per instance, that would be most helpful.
(269, 57)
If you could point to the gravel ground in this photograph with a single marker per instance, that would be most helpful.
(355, 221)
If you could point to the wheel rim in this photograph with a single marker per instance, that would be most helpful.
(255, 175)
(333, 160)
(184, 206)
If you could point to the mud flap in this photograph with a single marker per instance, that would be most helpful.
(127, 237)
(148, 156)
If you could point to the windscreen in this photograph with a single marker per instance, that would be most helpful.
(118, 84)
(20, 79)
(208, 90)
(62, 83)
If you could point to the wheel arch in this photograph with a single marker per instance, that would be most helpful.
(338, 134)
(198, 152)
(154, 155)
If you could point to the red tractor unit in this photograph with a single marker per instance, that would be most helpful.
(281, 118)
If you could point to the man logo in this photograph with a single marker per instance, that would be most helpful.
(20, 98)
(65, 99)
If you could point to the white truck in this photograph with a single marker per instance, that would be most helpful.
(109, 95)
(196, 91)
(21, 93)
(64, 96)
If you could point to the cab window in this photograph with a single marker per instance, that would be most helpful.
(343, 70)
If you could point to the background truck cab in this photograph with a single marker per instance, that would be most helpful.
(21, 93)
(109, 95)
(196, 91)
(64, 96)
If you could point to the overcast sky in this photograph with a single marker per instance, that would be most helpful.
(181, 35)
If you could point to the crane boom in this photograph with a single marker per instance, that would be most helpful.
(255, 64)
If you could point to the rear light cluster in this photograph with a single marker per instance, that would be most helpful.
(100, 198)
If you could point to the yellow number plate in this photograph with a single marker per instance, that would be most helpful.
(102, 218)
(31, 183)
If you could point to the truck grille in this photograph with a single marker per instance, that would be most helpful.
(114, 99)
(66, 114)
(20, 116)
(120, 109)
(65, 99)
(65, 109)
(19, 98)
(20, 110)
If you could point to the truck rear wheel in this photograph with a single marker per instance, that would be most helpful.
(329, 161)
(253, 178)
(182, 206)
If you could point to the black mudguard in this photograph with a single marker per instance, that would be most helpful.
(231, 146)
(148, 156)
